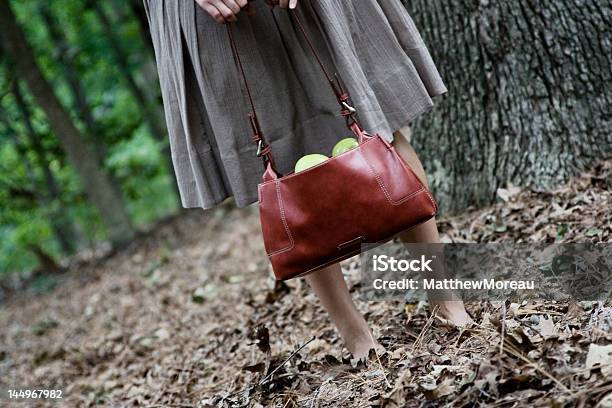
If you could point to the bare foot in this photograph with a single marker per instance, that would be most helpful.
(360, 346)
(454, 312)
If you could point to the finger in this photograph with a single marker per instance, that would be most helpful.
(242, 3)
(283, 3)
(232, 5)
(293, 4)
(212, 11)
(225, 11)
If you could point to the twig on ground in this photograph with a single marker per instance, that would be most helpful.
(503, 330)
(428, 323)
(518, 354)
(263, 381)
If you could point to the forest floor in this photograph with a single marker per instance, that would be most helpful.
(186, 315)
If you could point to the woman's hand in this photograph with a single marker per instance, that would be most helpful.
(224, 11)
(283, 3)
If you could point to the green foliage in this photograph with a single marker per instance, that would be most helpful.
(30, 211)
(142, 156)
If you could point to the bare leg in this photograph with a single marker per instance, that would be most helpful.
(428, 231)
(328, 283)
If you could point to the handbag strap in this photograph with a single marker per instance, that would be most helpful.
(337, 87)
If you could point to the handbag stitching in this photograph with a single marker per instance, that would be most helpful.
(282, 211)
(384, 188)
(433, 202)
(429, 196)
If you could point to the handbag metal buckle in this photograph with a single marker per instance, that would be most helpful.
(259, 147)
(348, 107)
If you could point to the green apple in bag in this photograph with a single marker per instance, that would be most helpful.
(344, 145)
(308, 161)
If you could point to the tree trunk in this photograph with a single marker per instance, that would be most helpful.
(149, 69)
(125, 13)
(150, 114)
(94, 179)
(78, 92)
(151, 111)
(60, 221)
(46, 262)
(79, 97)
(135, 8)
(528, 102)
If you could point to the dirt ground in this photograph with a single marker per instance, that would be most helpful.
(189, 316)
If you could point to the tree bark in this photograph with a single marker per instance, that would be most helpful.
(94, 179)
(528, 102)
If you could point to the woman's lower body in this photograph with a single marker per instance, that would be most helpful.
(372, 44)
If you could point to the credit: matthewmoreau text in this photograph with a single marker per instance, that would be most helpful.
(452, 284)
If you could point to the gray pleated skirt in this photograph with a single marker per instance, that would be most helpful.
(372, 44)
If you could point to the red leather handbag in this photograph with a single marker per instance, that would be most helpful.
(323, 214)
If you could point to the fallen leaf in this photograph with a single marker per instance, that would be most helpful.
(599, 356)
